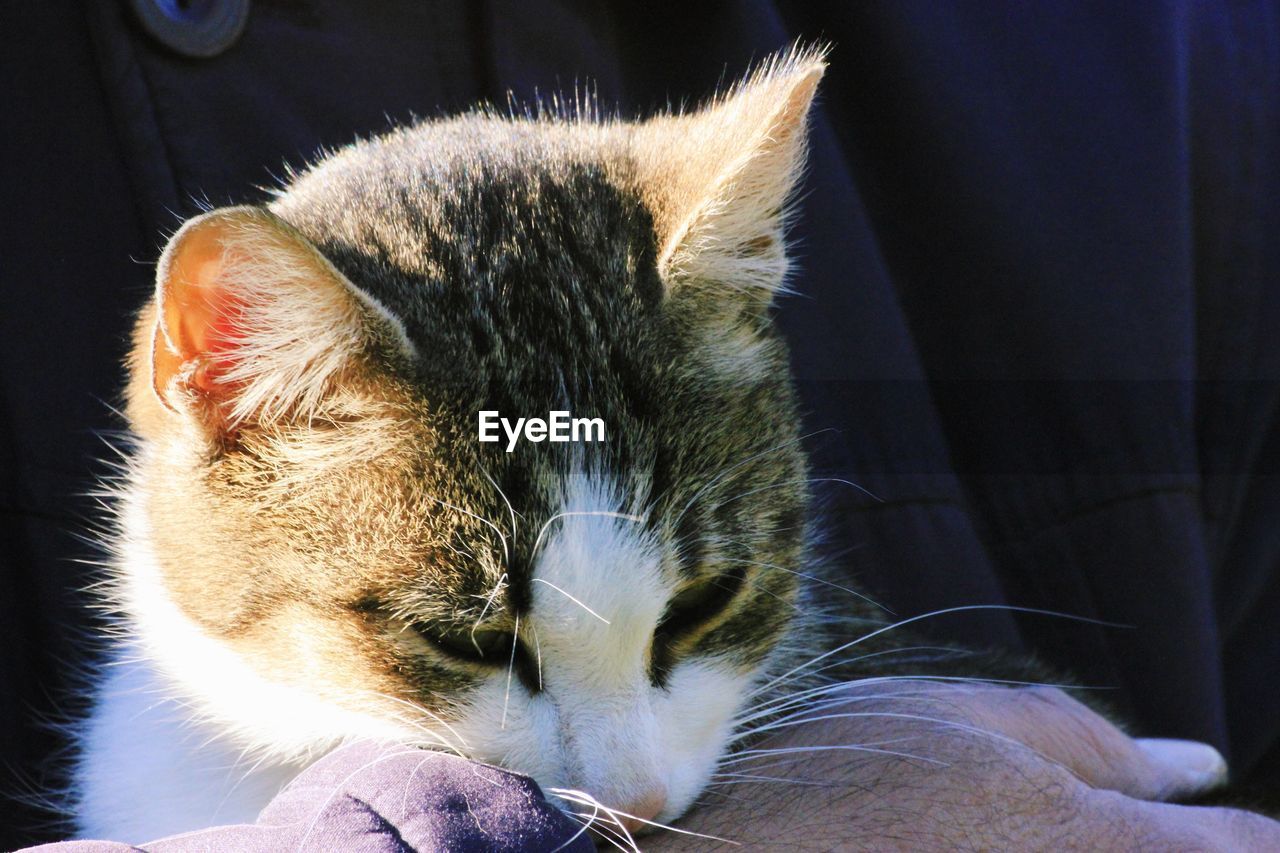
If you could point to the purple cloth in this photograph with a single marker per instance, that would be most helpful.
(373, 798)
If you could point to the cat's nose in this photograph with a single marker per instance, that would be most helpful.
(645, 807)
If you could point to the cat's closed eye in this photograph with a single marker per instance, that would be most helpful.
(481, 645)
(487, 647)
(691, 609)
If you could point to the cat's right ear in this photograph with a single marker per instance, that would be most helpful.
(252, 323)
(718, 181)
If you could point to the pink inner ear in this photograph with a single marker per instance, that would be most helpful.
(201, 316)
(209, 318)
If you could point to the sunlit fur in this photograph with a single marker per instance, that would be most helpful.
(296, 526)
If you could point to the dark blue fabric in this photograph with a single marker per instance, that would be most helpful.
(1039, 282)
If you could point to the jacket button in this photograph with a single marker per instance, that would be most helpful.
(196, 28)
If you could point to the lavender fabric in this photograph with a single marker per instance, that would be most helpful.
(373, 798)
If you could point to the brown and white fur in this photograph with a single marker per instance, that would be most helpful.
(312, 546)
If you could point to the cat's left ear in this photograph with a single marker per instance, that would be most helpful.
(253, 323)
(718, 181)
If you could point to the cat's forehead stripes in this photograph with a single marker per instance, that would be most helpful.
(528, 284)
(487, 257)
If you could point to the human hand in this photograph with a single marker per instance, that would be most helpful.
(937, 765)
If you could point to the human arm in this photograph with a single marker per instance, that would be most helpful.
(994, 768)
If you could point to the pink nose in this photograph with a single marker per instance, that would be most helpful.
(645, 807)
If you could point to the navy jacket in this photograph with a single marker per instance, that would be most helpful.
(1040, 294)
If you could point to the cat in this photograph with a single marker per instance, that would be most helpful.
(313, 544)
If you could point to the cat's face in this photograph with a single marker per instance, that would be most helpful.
(308, 386)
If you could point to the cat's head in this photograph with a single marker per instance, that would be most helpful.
(348, 559)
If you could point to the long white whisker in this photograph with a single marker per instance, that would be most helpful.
(818, 715)
(896, 650)
(429, 740)
(337, 791)
(415, 707)
(511, 665)
(733, 468)
(602, 830)
(745, 755)
(769, 702)
(583, 798)
(587, 799)
(572, 598)
(813, 578)
(585, 826)
(506, 554)
(625, 516)
(613, 834)
(537, 650)
(502, 495)
(408, 783)
(794, 482)
(497, 587)
(243, 776)
(749, 754)
(805, 698)
(744, 778)
(930, 615)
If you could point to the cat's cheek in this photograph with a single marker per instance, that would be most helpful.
(696, 726)
(512, 729)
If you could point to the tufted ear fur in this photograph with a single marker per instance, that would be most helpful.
(719, 180)
(252, 323)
